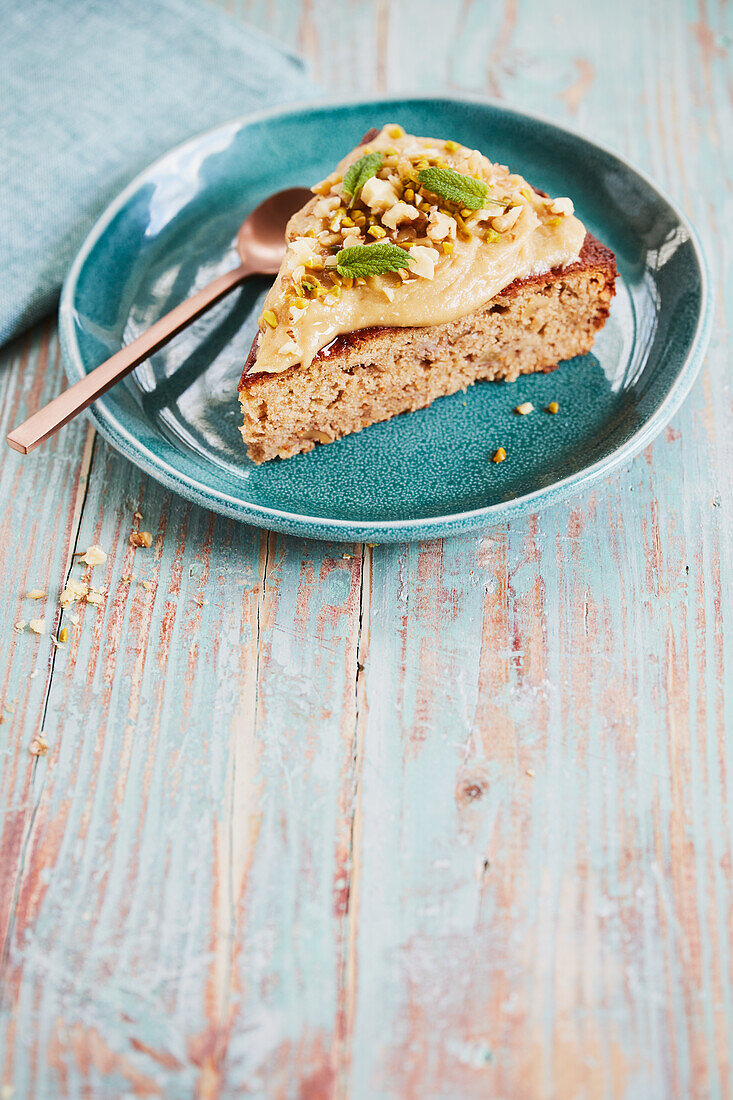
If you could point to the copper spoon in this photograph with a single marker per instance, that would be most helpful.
(261, 247)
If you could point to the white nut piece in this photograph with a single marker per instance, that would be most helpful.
(441, 226)
(378, 194)
(324, 206)
(400, 212)
(507, 221)
(95, 555)
(424, 261)
(354, 238)
(562, 206)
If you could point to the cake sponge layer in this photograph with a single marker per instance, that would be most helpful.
(374, 374)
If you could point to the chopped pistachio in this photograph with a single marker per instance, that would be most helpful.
(270, 318)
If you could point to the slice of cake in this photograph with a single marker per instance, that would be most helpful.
(418, 268)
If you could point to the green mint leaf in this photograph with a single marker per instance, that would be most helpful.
(364, 260)
(451, 185)
(360, 171)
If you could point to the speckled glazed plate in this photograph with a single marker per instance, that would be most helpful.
(424, 474)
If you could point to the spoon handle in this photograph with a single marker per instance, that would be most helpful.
(65, 407)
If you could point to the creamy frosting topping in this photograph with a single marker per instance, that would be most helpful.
(454, 258)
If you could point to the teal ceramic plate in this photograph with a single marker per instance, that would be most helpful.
(424, 474)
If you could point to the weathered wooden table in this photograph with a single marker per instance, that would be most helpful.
(442, 820)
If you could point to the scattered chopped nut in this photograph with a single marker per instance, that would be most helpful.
(38, 746)
(524, 408)
(553, 407)
(74, 590)
(94, 556)
(141, 538)
(499, 455)
(63, 635)
(38, 626)
(35, 594)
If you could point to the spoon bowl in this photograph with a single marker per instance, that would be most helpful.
(261, 247)
(261, 237)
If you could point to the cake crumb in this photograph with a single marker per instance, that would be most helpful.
(141, 538)
(38, 626)
(524, 408)
(94, 555)
(38, 746)
(530, 773)
(148, 586)
(74, 590)
(35, 594)
(95, 597)
(20, 626)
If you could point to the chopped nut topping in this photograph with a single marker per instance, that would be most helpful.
(524, 408)
(38, 626)
(64, 635)
(553, 407)
(410, 193)
(499, 455)
(94, 556)
(35, 594)
(141, 538)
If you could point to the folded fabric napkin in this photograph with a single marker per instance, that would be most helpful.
(91, 92)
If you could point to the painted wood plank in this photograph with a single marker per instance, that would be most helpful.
(449, 819)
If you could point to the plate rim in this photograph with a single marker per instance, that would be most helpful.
(131, 447)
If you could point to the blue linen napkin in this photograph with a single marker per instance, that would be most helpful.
(90, 92)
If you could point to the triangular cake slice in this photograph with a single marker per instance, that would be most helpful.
(418, 268)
